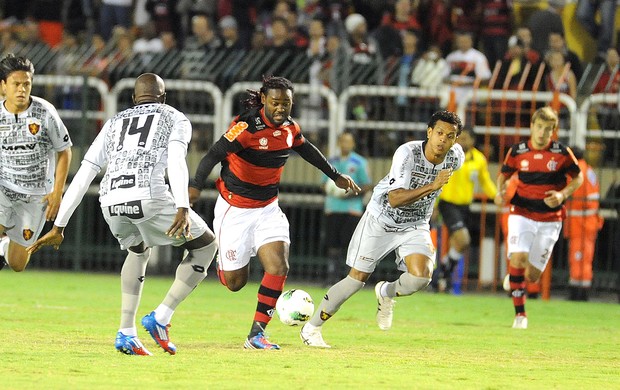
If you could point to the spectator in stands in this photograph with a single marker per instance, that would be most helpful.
(454, 201)
(514, 73)
(343, 210)
(609, 82)
(403, 18)
(404, 70)
(496, 27)
(465, 16)
(164, 16)
(230, 33)
(259, 39)
(203, 35)
(168, 41)
(556, 78)
(560, 80)
(248, 220)
(281, 37)
(187, 9)
(114, 13)
(467, 66)
(149, 40)
(363, 48)
(393, 26)
(604, 31)
(544, 21)
(437, 24)
(143, 214)
(36, 154)
(430, 69)
(525, 35)
(558, 43)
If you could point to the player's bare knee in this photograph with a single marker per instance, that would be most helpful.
(235, 285)
(408, 284)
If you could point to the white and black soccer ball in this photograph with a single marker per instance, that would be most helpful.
(294, 307)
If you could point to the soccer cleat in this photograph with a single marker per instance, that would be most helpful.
(312, 337)
(520, 322)
(130, 345)
(259, 342)
(159, 333)
(385, 308)
(506, 284)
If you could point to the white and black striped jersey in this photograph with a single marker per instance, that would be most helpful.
(410, 169)
(28, 145)
(134, 146)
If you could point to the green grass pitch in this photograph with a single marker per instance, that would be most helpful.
(58, 332)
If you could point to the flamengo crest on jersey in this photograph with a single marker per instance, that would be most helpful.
(28, 145)
(134, 145)
(410, 169)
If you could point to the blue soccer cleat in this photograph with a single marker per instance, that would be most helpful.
(159, 333)
(130, 345)
(259, 342)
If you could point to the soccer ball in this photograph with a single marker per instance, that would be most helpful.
(294, 307)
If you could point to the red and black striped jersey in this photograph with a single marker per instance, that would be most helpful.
(539, 171)
(258, 150)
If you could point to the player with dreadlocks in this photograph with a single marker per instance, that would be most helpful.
(248, 219)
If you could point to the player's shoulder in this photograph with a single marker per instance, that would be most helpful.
(40, 102)
(558, 148)
(519, 149)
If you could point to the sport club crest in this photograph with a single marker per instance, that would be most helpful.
(27, 233)
(34, 126)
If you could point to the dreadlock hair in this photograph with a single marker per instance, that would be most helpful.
(10, 64)
(269, 82)
(448, 117)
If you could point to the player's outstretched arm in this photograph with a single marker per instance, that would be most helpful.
(53, 238)
(347, 183)
(53, 198)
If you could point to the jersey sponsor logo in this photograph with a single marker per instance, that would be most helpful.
(552, 165)
(538, 156)
(131, 210)
(277, 133)
(27, 234)
(234, 131)
(20, 147)
(123, 181)
(525, 165)
(263, 143)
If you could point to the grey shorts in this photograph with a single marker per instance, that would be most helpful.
(23, 216)
(147, 221)
(371, 243)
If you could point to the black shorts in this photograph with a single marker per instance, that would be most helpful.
(455, 217)
(339, 229)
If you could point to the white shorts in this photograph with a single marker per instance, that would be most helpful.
(22, 215)
(532, 237)
(148, 221)
(371, 243)
(240, 231)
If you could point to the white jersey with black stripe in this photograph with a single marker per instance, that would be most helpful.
(28, 145)
(410, 169)
(134, 146)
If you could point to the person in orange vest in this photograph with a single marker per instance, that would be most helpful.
(580, 229)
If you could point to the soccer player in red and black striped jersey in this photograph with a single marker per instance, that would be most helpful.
(537, 209)
(248, 220)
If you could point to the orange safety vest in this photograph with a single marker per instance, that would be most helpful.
(582, 207)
